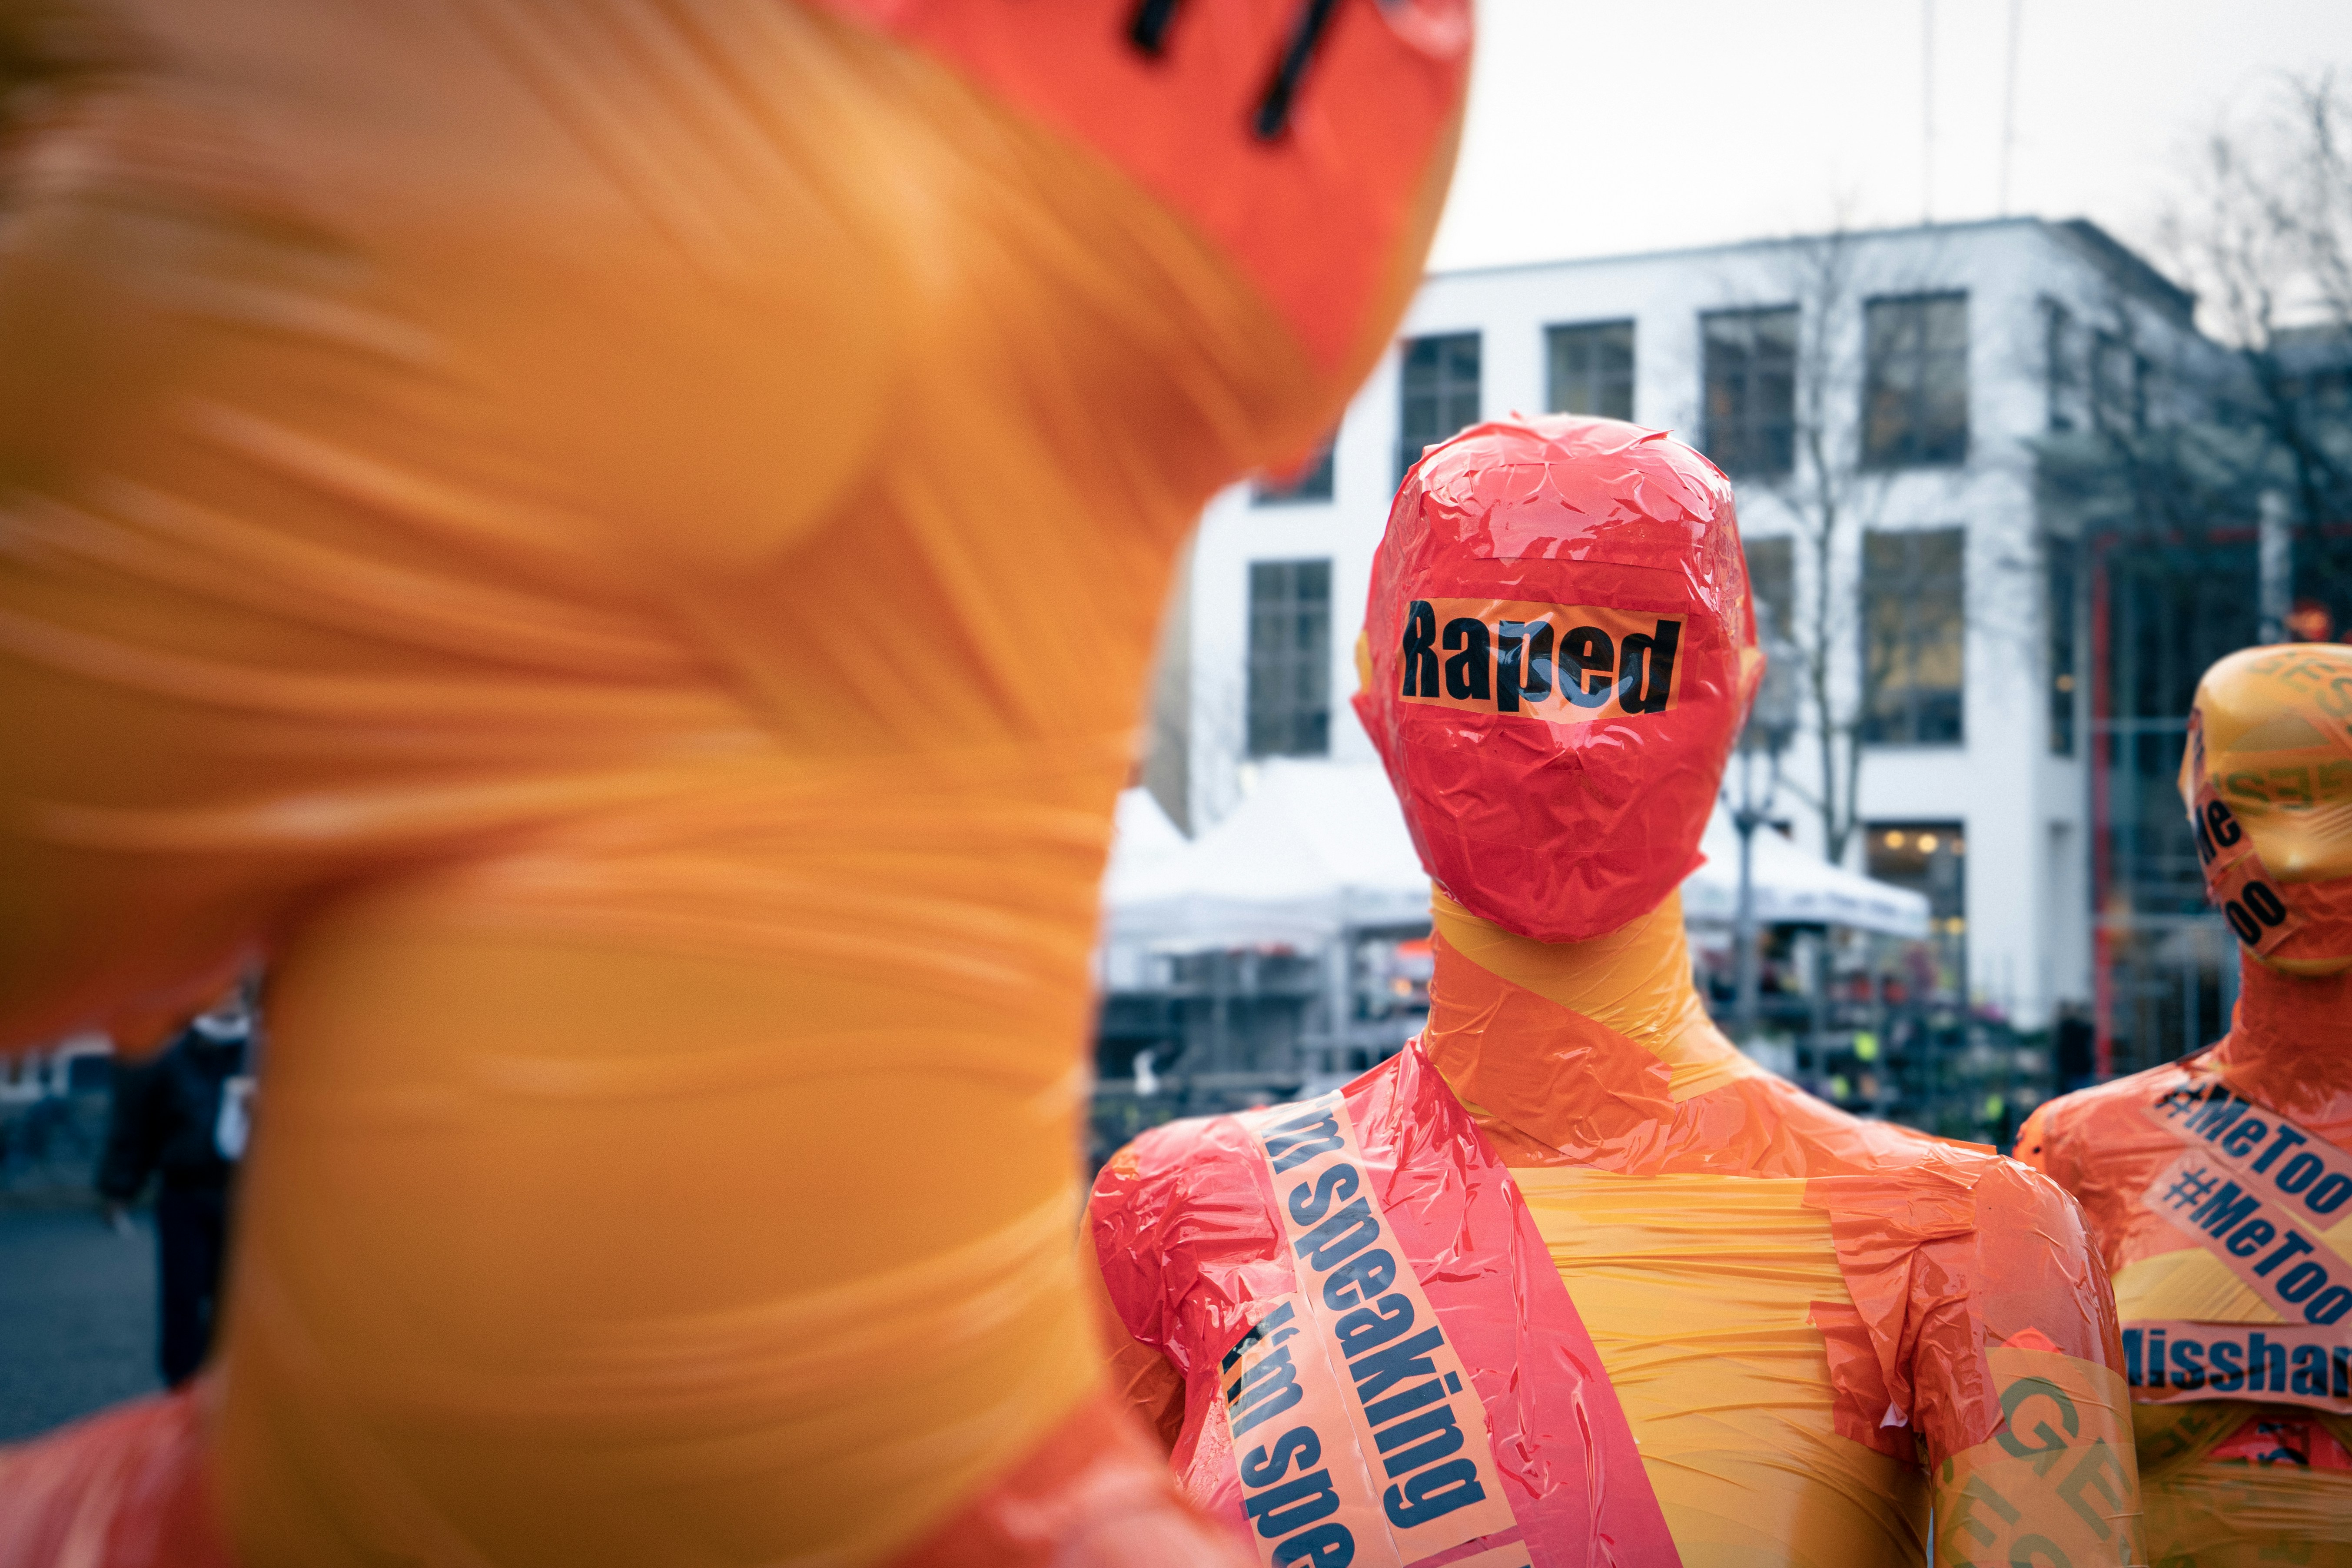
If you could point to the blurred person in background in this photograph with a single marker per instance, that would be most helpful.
(181, 1118)
(2076, 1041)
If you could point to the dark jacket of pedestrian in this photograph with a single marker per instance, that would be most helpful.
(166, 1117)
(167, 1123)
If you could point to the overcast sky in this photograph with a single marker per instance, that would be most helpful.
(1599, 129)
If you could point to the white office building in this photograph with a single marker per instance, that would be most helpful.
(1881, 390)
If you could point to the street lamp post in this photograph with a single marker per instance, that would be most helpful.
(1771, 725)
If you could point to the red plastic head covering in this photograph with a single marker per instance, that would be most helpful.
(1560, 650)
(1299, 137)
(2267, 779)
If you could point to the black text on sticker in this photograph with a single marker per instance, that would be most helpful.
(1517, 664)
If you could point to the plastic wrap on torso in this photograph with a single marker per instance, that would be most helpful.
(1199, 1265)
(1700, 1292)
(1811, 1324)
(2183, 1171)
(1851, 1299)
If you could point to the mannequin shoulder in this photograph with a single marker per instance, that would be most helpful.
(1184, 1229)
(2064, 1133)
(2040, 1264)
(1201, 1159)
(1188, 1196)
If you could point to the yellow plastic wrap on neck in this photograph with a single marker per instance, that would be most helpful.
(670, 756)
(1636, 981)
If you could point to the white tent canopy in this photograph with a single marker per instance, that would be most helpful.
(1318, 848)
(1315, 847)
(1794, 887)
(1142, 834)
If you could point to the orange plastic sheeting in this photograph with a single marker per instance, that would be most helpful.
(1944, 1251)
(1095, 1494)
(2267, 778)
(620, 545)
(1357, 1279)
(2215, 1494)
(125, 1490)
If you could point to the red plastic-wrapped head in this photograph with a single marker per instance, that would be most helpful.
(1560, 650)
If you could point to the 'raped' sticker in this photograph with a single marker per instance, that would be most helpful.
(1561, 663)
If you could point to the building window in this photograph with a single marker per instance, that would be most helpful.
(2060, 388)
(1439, 394)
(2119, 384)
(1751, 374)
(1312, 482)
(1916, 381)
(2065, 557)
(1290, 658)
(1928, 857)
(1592, 369)
(1772, 584)
(1913, 636)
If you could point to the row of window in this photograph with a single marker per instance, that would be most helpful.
(1913, 629)
(1915, 387)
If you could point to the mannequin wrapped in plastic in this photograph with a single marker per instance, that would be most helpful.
(1570, 1280)
(619, 544)
(2220, 1186)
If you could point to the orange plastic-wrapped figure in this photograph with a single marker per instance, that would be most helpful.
(619, 542)
(1572, 1281)
(2220, 1186)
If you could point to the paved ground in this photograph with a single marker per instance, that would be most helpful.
(76, 1315)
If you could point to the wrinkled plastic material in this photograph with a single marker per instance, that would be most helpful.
(1554, 782)
(1189, 1226)
(618, 546)
(2186, 1223)
(2267, 779)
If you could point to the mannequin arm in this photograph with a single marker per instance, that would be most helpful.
(2056, 1481)
(1141, 1380)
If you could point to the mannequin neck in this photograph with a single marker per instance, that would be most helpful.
(2288, 1030)
(1551, 1037)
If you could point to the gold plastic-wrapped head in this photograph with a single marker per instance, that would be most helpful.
(2268, 782)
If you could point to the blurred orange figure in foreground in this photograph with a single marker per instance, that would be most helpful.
(1572, 1281)
(619, 542)
(2220, 1186)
